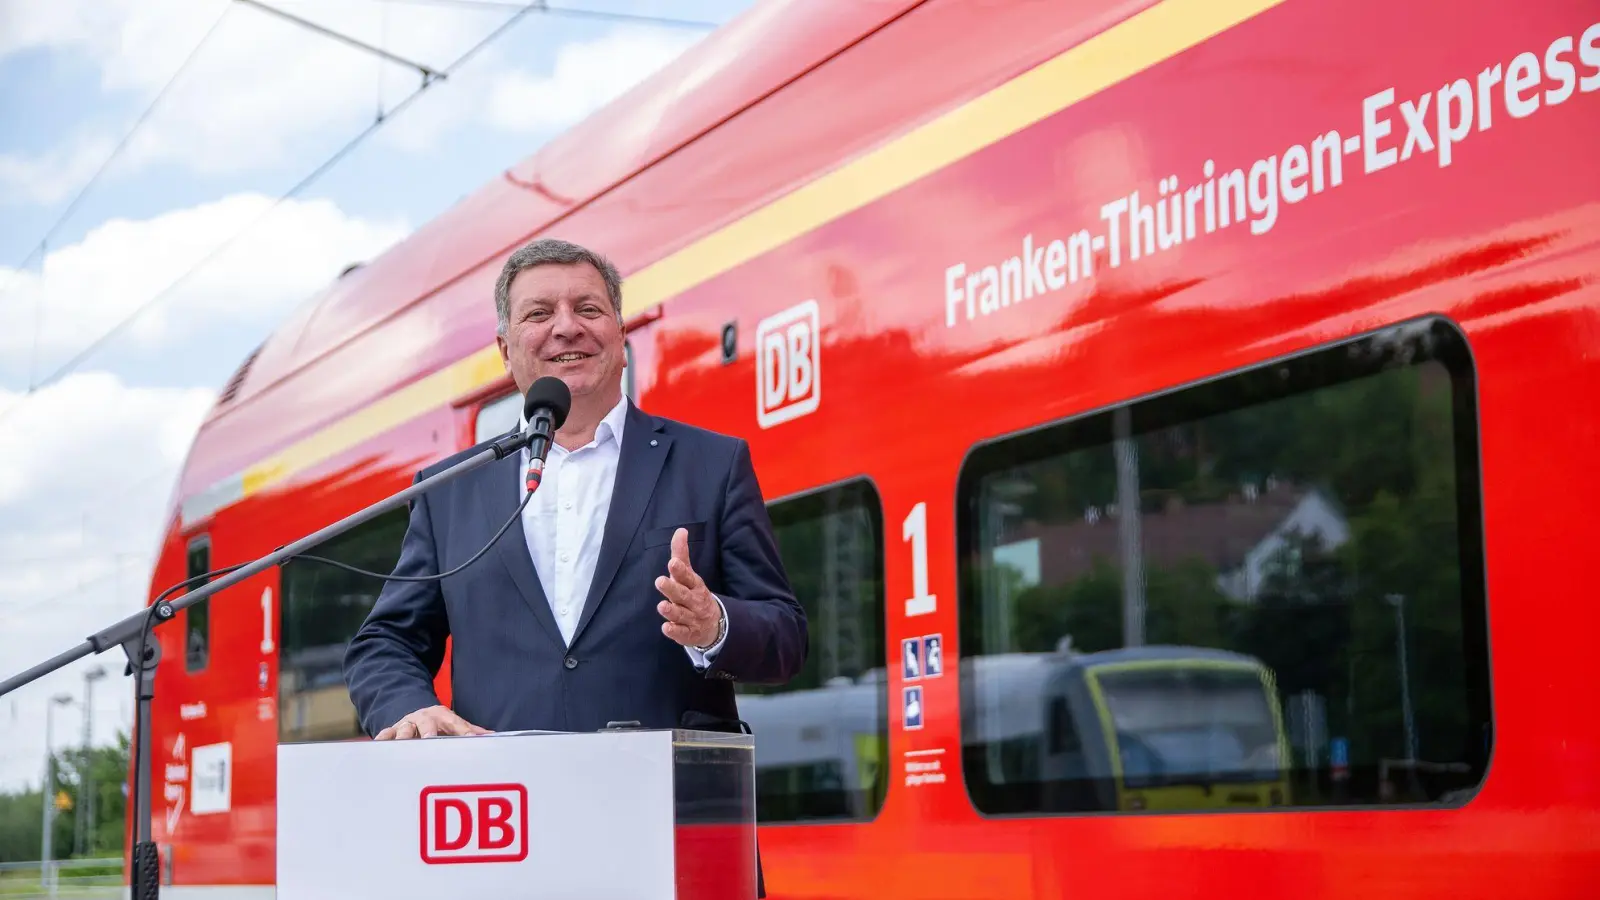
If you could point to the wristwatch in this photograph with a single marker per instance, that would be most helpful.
(722, 631)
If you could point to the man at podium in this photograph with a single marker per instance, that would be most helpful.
(639, 583)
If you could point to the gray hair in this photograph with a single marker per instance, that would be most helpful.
(550, 251)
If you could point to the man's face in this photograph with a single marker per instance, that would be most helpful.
(562, 324)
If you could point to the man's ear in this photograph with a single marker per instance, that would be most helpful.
(505, 351)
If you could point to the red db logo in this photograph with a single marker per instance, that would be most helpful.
(474, 823)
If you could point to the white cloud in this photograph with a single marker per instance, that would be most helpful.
(585, 77)
(86, 471)
(87, 288)
(261, 89)
(265, 91)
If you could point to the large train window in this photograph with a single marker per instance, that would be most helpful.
(322, 608)
(197, 618)
(821, 739)
(1262, 591)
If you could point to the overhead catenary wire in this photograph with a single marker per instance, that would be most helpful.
(44, 242)
(571, 11)
(77, 359)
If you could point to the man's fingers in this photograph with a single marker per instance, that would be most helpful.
(673, 590)
(680, 545)
(673, 612)
(684, 574)
(430, 722)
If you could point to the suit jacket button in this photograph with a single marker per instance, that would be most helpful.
(571, 663)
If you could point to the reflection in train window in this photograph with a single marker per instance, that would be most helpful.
(197, 618)
(1262, 591)
(821, 739)
(323, 607)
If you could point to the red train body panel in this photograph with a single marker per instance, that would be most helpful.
(750, 177)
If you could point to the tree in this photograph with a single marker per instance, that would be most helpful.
(21, 814)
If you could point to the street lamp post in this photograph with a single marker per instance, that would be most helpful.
(83, 824)
(48, 788)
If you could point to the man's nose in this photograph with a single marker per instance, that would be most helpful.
(565, 323)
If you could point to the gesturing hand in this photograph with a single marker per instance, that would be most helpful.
(430, 722)
(691, 612)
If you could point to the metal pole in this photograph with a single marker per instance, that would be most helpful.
(45, 790)
(1127, 456)
(1399, 602)
(83, 830)
(46, 870)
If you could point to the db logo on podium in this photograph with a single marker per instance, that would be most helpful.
(474, 823)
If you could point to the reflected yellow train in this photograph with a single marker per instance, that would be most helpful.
(1150, 728)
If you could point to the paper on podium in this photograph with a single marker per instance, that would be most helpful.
(620, 815)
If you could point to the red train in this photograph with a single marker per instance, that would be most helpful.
(1173, 415)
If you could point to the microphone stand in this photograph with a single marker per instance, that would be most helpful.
(132, 634)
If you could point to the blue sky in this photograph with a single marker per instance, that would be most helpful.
(262, 103)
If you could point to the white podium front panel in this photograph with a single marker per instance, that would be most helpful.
(528, 815)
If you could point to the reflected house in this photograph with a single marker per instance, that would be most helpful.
(1243, 538)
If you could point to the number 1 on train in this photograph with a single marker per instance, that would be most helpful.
(915, 530)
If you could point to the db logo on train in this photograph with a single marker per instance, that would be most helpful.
(474, 823)
(788, 365)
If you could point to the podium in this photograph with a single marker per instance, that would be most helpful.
(632, 814)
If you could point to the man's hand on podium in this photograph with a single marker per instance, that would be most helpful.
(693, 615)
(430, 722)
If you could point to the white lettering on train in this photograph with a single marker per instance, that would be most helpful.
(1393, 130)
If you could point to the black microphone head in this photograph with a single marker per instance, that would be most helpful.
(549, 393)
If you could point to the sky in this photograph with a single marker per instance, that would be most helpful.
(124, 308)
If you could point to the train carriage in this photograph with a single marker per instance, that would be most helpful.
(1256, 327)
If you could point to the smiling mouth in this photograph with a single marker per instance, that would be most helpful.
(569, 357)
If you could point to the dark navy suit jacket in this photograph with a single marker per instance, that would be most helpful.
(509, 667)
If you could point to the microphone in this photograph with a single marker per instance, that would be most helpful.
(546, 407)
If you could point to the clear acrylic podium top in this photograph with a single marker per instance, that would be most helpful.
(652, 814)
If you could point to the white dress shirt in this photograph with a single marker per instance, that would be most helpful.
(566, 521)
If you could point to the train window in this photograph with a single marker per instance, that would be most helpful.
(322, 609)
(497, 417)
(821, 739)
(1265, 590)
(197, 618)
(628, 385)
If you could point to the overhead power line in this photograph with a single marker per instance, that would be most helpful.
(570, 11)
(44, 242)
(72, 364)
(427, 73)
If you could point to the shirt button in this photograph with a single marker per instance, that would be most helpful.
(569, 504)
(563, 557)
(562, 610)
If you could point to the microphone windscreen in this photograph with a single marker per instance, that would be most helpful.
(550, 393)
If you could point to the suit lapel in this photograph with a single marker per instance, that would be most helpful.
(499, 493)
(644, 451)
